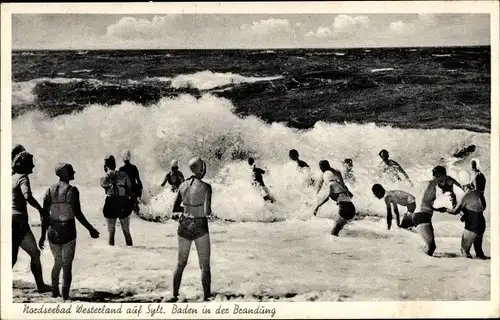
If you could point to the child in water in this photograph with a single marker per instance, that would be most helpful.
(395, 198)
(258, 180)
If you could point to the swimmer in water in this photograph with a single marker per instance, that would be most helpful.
(423, 219)
(258, 180)
(478, 181)
(196, 197)
(475, 224)
(302, 165)
(338, 193)
(133, 175)
(117, 205)
(392, 168)
(395, 198)
(324, 166)
(22, 236)
(348, 173)
(174, 178)
(61, 206)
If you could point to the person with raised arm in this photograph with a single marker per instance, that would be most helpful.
(392, 169)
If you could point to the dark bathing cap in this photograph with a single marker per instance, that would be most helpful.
(64, 170)
(438, 171)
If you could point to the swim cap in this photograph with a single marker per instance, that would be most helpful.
(475, 163)
(439, 171)
(174, 163)
(293, 153)
(22, 160)
(328, 176)
(463, 178)
(126, 155)
(378, 189)
(197, 165)
(16, 150)
(64, 170)
(110, 162)
(383, 151)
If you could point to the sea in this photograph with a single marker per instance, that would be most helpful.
(423, 105)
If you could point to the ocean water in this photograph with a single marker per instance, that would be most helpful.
(420, 104)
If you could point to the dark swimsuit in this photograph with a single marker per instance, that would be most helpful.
(346, 208)
(474, 221)
(61, 232)
(192, 228)
(421, 218)
(117, 207)
(20, 227)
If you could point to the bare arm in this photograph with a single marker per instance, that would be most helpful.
(455, 182)
(77, 210)
(139, 182)
(208, 201)
(319, 184)
(322, 199)
(458, 207)
(400, 169)
(181, 176)
(46, 214)
(389, 212)
(177, 203)
(165, 180)
(26, 191)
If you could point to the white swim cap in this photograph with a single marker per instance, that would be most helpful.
(126, 155)
(174, 163)
(197, 165)
(463, 178)
(328, 176)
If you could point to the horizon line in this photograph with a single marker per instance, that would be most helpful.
(257, 48)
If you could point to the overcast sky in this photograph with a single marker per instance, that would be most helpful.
(91, 31)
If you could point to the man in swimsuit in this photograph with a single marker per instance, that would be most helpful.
(392, 168)
(117, 205)
(395, 198)
(174, 177)
(338, 193)
(133, 174)
(478, 181)
(22, 167)
(423, 219)
(258, 180)
(324, 166)
(196, 197)
(61, 206)
(348, 173)
(294, 156)
(475, 224)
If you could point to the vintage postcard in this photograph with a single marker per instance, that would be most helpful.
(250, 160)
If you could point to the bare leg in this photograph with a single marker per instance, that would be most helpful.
(478, 247)
(56, 269)
(29, 245)
(427, 232)
(389, 221)
(68, 254)
(111, 230)
(338, 225)
(203, 249)
(182, 259)
(125, 224)
(468, 238)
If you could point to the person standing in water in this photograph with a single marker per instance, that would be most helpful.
(117, 205)
(475, 224)
(338, 193)
(392, 168)
(258, 180)
(22, 236)
(196, 197)
(447, 187)
(478, 181)
(294, 156)
(324, 166)
(174, 178)
(133, 175)
(423, 219)
(61, 206)
(395, 198)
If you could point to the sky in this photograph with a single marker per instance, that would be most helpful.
(220, 31)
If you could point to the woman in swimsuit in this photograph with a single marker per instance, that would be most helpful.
(196, 198)
(117, 204)
(174, 177)
(22, 166)
(478, 181)
(338, 193)
(61, 206)
(475, 224)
